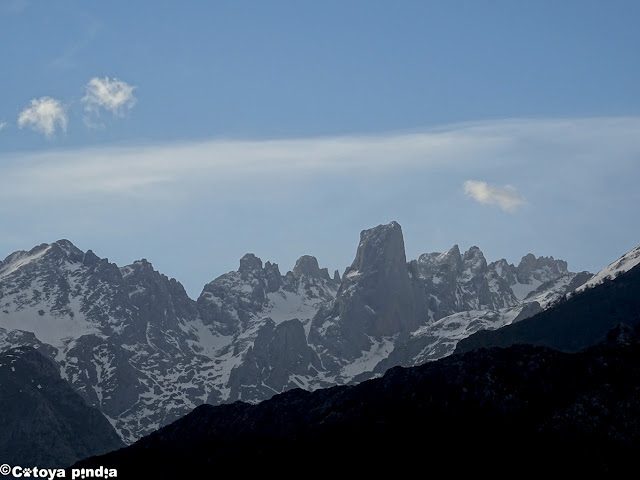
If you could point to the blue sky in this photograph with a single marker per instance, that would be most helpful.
(191, 133)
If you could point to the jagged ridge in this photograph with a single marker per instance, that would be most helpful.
(133, 344)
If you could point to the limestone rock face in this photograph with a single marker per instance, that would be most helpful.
(280, 359)
(377, 298)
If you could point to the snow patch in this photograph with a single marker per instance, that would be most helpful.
(210, 342)
(380, 349)
(22, 259)
(521, 290)
(353, 273)
(623, 264)
(49, 327)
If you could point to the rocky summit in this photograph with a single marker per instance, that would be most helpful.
(377, 300)
(132, 343)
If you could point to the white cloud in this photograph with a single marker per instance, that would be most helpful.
(44, 115)
(112, 95)
(506, 198)
(3, 125)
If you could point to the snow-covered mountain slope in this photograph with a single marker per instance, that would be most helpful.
(267, 317)
(455, 282)
(129, 340)
(439, 338)
(465, 294)
(623, 264)
(132, 342)
(444, 298)
(134, 345)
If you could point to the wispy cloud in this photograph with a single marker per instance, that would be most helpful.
(200, 165)
(506, 198)
(521, 149)
(112, 95)
(3, 125)
(44, 115)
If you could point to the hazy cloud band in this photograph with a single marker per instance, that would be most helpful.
(457, 148)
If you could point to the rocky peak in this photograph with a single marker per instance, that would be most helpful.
(451, 257)
(23, 254)
(502, 267)
(53, 254)
(376, 297)
(273, 278)
(455, 282)
(448, 261)
(141, 272)
(107, 271)
(540, 268)
(380, 247)
(474, 261)
(143, 264)
(90, 258)
(308, 265)
(251, 267)
(64, 248)
(250, 263)
(18, 259)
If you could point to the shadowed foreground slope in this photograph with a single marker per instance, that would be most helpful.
(43, 422)
(582, 320)
(520, 409)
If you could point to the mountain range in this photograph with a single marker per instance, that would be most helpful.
(133, 344)
(520, 406)
(579, 321)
